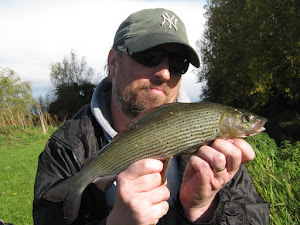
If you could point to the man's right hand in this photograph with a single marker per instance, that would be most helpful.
(140, 198)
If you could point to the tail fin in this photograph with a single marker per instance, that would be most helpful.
(71, 195)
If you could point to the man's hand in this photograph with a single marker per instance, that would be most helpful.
(201, 181)
(140, 198)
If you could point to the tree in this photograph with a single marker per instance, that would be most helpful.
(16, 99)
(73, 87)
(250, 55)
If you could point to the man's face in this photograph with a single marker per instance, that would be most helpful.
(136, 87)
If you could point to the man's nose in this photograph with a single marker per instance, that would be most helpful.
(162, 71)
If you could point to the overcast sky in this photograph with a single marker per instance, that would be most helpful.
(36, 33)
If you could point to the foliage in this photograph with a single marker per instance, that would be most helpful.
(16, 99)
(250, 54)
(275, 172)
(71, 79)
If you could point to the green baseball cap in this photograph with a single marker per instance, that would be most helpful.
(148, 28)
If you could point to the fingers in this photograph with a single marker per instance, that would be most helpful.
(232, 154)
(141, 176)
(151, 215)
(140, 198)
(159, 210)
(248, 153)
(143, 167)
(227, 154)
(237, 151)
(202, 167)
(146, 199)
(215, 158)
(206, 173)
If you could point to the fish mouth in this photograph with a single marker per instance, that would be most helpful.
(261, 129)
(259, 126)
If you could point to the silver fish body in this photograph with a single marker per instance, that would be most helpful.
(160, 133)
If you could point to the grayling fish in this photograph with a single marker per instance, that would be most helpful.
(160, 133)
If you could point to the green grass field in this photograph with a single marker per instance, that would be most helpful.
(275, 172)
(19, 152)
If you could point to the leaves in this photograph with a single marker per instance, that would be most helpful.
(16, 99)
(250, 54)
(13, 92)
(71, 70)
(250, 49)
(72, 84)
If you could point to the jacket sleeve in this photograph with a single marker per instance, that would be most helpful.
(64, 155)
(57, 163)
(53, 165)
(239, 203)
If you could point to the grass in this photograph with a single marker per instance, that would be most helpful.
(19, 152)
(275, 173)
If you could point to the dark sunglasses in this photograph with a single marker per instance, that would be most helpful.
(178, 64)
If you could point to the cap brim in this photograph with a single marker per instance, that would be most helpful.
(144, 42)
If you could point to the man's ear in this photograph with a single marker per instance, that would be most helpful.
(111, 62)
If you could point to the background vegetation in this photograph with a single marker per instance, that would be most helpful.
(73, 87)
(16, 101)
(19, 150)
(251, 59)
(275, 173)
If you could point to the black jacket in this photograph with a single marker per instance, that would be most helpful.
(80, 138)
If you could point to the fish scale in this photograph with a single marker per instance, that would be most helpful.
(160, 133)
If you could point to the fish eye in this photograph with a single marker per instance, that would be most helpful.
(245, 118)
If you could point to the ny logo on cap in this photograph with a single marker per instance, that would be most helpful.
(169, 19)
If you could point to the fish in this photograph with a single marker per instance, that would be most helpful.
(161, 133)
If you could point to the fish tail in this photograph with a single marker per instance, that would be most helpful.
(71, 195)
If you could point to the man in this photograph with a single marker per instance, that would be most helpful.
(149, 55)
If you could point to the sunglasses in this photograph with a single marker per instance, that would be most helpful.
(178, 63)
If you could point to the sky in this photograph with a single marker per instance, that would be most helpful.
(37, 33)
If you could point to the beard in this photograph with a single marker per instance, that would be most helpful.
(134, 100)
